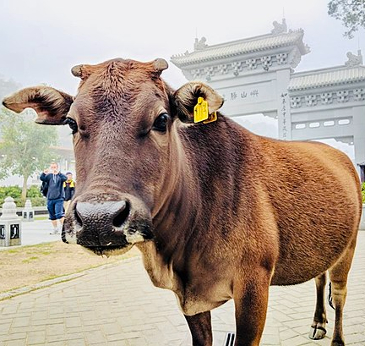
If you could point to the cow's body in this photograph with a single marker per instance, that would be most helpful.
(230, 212)
(270, 204)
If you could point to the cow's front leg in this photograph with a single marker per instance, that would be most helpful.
(251, 298)
(201, 329)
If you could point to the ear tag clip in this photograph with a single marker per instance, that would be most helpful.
(201, 111)
(212, 117)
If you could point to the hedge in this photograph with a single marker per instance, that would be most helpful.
(33, 194)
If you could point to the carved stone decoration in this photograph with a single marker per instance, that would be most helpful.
(279, 28)
(326, 98)
(251, 64)
(266, 62)
(282, 58)
(311, 100)
(200, 44)
(307, 49)
(294, 57)
(359, 94)
(195, 73)
(295, 102)
(237, 68)
(223, 69)
(342, 96)
(209, 71)
(354, 60)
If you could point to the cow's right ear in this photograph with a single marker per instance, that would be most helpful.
(50, 104)
(187, 97)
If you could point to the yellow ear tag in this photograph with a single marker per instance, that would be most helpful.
(201, 110)
(212, 117)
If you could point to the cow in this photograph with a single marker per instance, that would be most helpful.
(217, 212)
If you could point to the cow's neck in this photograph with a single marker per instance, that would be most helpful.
(178, 214)
(204, 187)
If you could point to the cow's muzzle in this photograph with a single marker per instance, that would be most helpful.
(104, 227)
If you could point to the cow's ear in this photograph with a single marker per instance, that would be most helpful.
(50, 104)
(187, 97)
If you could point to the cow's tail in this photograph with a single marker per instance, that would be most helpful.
(330, 300)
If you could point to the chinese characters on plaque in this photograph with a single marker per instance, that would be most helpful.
(240, 95)
(283, 111)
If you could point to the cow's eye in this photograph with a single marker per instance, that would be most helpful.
(72, 123)
(160, 123)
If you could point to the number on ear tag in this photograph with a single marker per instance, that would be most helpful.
(201, 110)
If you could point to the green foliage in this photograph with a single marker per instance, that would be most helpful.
(38, 201)
(363, 192)
(33, 194)
(34, 191)
(25, 145)
(350, 12)
(10, 191)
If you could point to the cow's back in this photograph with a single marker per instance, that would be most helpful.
(315, 194)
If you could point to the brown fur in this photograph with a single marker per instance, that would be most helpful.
(232, 212)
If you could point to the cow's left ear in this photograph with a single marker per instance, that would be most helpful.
(187, 97)
(50, 104)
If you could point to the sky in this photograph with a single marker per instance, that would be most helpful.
(40, 40)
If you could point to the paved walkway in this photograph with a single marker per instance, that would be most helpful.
(117, 305)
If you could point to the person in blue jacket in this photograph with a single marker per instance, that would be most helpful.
(55, 195)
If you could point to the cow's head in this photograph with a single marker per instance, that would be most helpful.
(126, 123)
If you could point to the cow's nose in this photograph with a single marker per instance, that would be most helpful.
(106, 215)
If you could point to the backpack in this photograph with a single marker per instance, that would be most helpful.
(44, 188)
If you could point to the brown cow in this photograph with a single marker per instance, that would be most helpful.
(217, 211)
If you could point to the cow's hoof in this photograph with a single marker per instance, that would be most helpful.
(317, 332)
(337, 343)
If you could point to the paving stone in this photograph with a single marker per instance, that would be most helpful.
(118, 305)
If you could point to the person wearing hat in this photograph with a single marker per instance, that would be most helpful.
(69, 187)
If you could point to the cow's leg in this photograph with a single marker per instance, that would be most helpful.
(201, 329)
(318, 327)
(338, 276)
(251, 298)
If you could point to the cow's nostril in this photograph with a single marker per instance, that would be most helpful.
(78, 217)
(120, 218)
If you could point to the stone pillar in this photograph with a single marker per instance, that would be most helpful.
(358, 114)
(283, 104)
(10, 224)
(28, 211)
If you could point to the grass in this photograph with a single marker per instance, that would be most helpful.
(28, 260)
(32, 264)
(41, 217)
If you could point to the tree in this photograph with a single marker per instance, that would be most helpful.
(7, 87)
(24, 145)
(351, 12)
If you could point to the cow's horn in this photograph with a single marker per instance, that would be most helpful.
(77, 71)
(160, 65)
(82, 71)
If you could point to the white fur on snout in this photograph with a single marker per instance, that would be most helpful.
(71, 236)
(133, 238)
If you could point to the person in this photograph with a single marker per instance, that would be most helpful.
(69, 187)
(55, 195)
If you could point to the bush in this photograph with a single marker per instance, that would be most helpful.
(38, 201)
(34, 191)
(33, 194)
(12, 191)
(363, 192)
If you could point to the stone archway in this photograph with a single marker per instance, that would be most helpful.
(256, 75)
